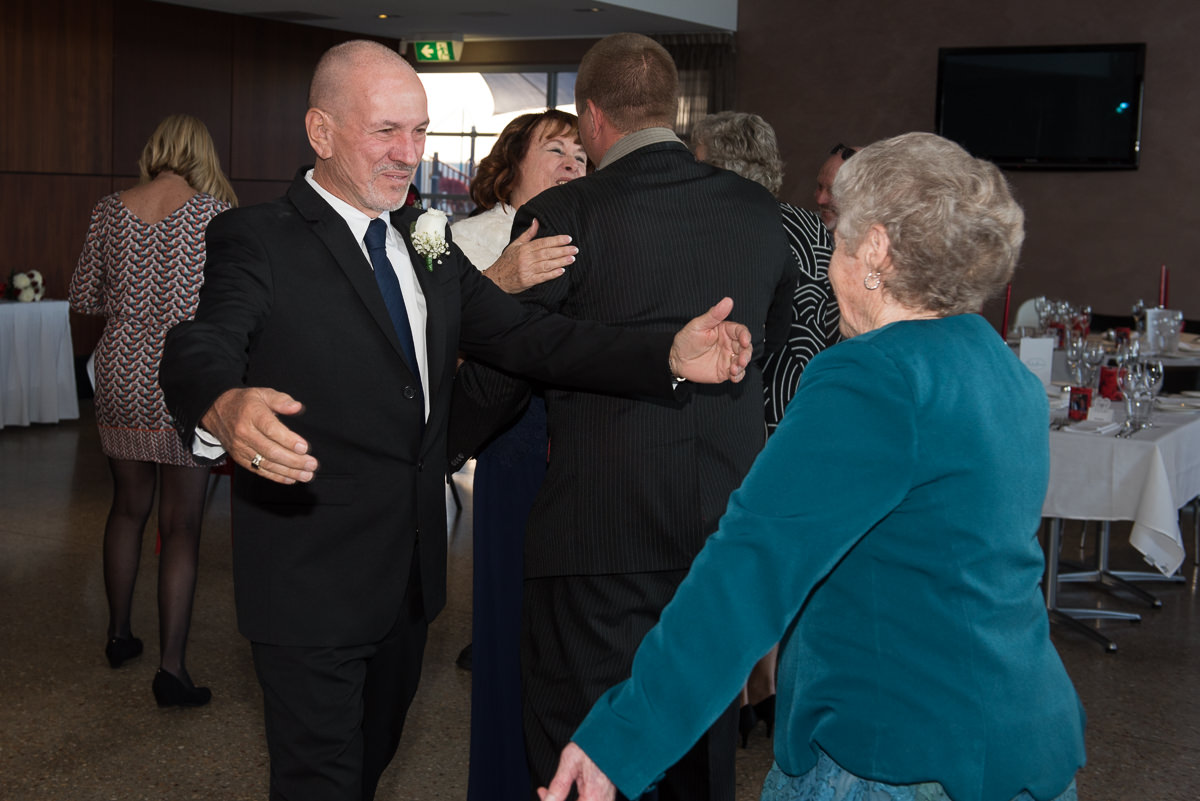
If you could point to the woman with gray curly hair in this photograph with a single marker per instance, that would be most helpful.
(895, 552)
(746, 144)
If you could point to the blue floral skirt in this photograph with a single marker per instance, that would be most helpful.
(828, 781)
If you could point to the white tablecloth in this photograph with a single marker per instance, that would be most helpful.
(1146, 479)
(37, 367)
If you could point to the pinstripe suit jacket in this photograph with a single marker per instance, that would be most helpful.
(636, 484)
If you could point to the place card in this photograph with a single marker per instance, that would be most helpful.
(1101, 410)
(1037, 353)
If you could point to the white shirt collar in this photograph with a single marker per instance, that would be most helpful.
(356, 219)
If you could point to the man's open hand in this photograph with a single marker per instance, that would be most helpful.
(245, 421)
(711, 349)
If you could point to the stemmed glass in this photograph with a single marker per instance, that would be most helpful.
(1131, 380)
(1073, 350)
(1139, 317)
(1082, 319)
(1154, 382)
(1093, 356)
(1043, 306)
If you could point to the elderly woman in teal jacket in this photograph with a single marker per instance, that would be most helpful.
(886, 534)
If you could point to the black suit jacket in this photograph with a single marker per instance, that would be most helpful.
(636, 485)
(290, 302)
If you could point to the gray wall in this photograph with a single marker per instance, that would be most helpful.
(860, 70)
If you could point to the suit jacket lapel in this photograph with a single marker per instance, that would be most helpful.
(429, 280)
(331, 229)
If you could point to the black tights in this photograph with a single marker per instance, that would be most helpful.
(180, 509)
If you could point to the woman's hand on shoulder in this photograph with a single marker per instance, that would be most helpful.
(528, 261)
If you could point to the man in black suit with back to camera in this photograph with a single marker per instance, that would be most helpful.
(634, 485)
(324, 308)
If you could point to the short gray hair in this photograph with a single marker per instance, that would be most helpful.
(743, 143)
(955, 229)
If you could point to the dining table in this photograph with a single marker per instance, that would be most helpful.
(37, 364)
(1144, 478)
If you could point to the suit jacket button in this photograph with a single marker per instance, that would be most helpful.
(410, 393)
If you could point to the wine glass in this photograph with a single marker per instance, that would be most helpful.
(1154, 382)
(1083, 319)
(1073, 347)
(1042, 306)
(1093, 356)
(1139, 316)
(1131, 380)
(1154, 376)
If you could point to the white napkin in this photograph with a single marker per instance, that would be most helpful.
(1093, 427)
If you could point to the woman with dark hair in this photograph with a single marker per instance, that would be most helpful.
(533, 153)
(141, 267)
(894, 552)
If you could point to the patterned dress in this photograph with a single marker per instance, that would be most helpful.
(815, 315)
(144, 278)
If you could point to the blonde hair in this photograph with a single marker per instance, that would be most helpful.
(181, 144)
(955, 229)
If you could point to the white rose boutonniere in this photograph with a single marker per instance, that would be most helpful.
(429, 236)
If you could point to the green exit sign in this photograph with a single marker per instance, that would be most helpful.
(438, 51)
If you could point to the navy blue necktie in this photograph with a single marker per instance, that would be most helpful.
(389, 286)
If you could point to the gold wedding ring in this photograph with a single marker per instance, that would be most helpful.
(256, 461)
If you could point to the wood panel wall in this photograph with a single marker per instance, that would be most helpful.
(88, 80)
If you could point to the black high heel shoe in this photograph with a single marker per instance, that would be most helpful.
(747, 720)
(764, 710)
(170, 691)
(120, 649)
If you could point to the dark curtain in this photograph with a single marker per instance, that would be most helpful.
(705, 64)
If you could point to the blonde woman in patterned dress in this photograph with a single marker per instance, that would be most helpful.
(141, 267)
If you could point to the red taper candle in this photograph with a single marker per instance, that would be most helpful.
(1163, 280)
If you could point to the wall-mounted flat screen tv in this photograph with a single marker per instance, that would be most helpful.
(1066, 107)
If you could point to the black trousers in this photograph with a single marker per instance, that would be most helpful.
(578, 639)
(334, 714)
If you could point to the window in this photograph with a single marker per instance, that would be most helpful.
(467, 111)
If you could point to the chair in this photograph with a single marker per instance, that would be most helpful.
(1026, 314)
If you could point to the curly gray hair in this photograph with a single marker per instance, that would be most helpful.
(742, 143)
(955, 230)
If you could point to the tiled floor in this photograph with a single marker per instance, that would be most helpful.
(71, 729)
